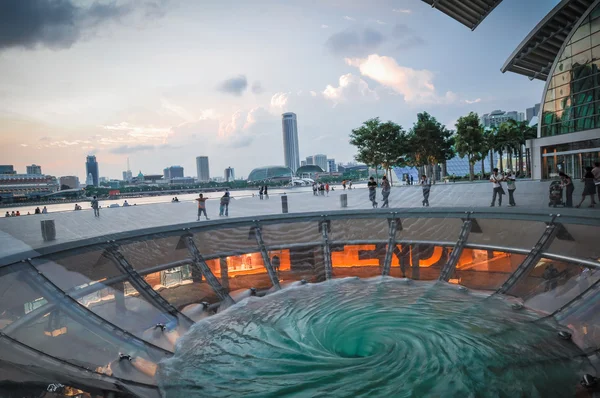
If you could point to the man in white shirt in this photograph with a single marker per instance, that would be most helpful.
(495, 179)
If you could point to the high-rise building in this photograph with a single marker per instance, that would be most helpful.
(91, 167)
(202, 169)
(34, 169)
(331, 166)
(497, 117)
(291, 152)
(310, 160)
(69, 182)
(321, 161)
(7, 169)
(302, 163)
(532, 112)
(127, 176)
(173, 172)
(229, 174)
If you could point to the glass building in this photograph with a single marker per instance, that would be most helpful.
(269, 173)
(291, 152)
(91, 168)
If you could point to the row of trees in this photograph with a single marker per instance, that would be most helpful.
(429, 143)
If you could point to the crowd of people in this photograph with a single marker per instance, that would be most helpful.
(591, 187)
(18, 213)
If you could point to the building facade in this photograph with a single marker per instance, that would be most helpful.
(302, 163)
(34, 169)
(70, 182)
(127, 176)
(173, 172)
(310, 160)
(321, 161)
(291, 152)
(532, 112)
(27, 184)
(7, 169)
(91, 168)
(229, 174)
(202, 169)
(497, 117)
(331, 166)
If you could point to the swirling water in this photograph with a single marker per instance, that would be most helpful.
(381, 337)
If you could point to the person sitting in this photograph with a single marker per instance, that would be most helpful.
(7, 214)
(13, 214)
(38, 211)
(18, 213)
(125, 204)
(44, 210)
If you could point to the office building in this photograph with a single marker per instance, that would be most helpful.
(497, 117)
(321, 161)
(302, 163)
(331, 166)
(91, 168)
(7, 169)
(127, 176)
(291, 153)
(532, 112)
(34, 169)
(310, 160)
(202, 169)
(173, 172)
(229, 174)
(69, 182)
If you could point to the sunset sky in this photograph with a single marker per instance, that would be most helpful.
(164, 81)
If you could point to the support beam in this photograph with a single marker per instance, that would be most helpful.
(200, 264)
(450, 266)
(145, 290)
(325, 227)
(265, 256)
(532, 258)
(391, 246)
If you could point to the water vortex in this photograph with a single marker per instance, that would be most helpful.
(382, 337)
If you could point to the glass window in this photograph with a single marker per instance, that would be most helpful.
(582, 58)
(509, 233)
(357, 229)
(560, 79)
(562, 91)
(550, 97)
(595, 25)
(596, 52)
(580, 33)
(596, 39)
(297, 232)
(583, 98)
(153, 252)
(564, 65)
(485, 269)
(566, 53)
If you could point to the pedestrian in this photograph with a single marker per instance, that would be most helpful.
(260, 193)
(7, 214)
(96, 207)
(37, 210)
(596, 173)
(13, 214)
(372, 185)
(44, 210)
(314, 186)
(202, 206)
(495, 179)
(589, 188)
(224, 205)
(385, 191)
(266, 192)
(411, 180)
(350, 185)
(426, 184)
(511, 186)
(327, 188)
(344, 184)
(567, 184)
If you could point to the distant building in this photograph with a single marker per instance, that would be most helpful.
(7, 169)
(69, 182)
(34, 169)
(202, 169)
(270, 173)
(532, 112)
(91, 167)
(229, 174)
(302, 163)
(173, 172)
(30, 185)
(89, 180)
(331, 166)
(497, 117)
(103, 180)
(182, 180)
(321, 161)
(127, 176)
(218, 179)
(310, 160)
(291, 153)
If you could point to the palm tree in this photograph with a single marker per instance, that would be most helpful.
(489, 143)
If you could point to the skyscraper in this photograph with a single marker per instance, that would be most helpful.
(331, 166)
(91, 167)
(321, 161)
(173, 172)
(229, 174)
(310, 160)
(34, 169)
(291, 153)
(202, 169)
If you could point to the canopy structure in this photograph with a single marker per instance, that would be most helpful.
(468, 12)
(536, 54)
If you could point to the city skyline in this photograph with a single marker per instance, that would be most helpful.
(372, 61)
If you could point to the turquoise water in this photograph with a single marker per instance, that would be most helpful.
(381, 337)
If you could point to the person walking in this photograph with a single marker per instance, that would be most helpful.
(589, 188)
(385, 191)
(202, 207)
(596, 173)
(327, 188)
(260, 193)
(567, 184)
(426, 184)
(511, 186)
(96, 207)
(224, 205)
(372, 185)
(344, 184)
(411, 180)
(495, 179)
(266, 192)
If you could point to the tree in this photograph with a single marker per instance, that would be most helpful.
(430, 143)
(469, 140)
(523, 132)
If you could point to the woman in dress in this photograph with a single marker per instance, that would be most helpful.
(589, 189)
(567, 184)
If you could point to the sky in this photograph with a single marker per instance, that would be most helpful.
(163, 81)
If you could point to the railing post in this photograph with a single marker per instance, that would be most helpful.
(450, 266)
(391, 245)
(324, 226)
(265, 256)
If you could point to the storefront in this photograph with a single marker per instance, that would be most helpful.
(571, 158)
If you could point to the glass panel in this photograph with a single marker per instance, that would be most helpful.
(359, 229)
(153, 252)
(561, 79)
(581, 32)
(564, 65)
(579, 241)
(582, 58)
(549, 106)
(430, 229)
(566, 53)
(485, 269)
(596, 52)
(364, 261)
(247, 270)
(224, 240)
(508, 233)
(290, 233)
(596, 39)
(595, 26)
(580, 46)
(562, 91)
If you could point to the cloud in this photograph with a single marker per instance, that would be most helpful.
(242, 128)
(139, 133)
(236, 85)
(257, 88)
(402, 10)
(416, 86)
(279, 101)
(347, 18)
(405, 37)
(353, 42)
(350, 87)
(381, 22)
(126, 149)
(475, 101)
(324, 26)
(58, 24)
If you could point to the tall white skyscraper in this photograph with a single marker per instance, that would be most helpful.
(291, 152)
(321, 161)
(202, 169)
(229, 174)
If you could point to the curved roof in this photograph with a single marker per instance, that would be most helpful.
(536, 54)
(269, 172)
(309, 169)
(468, 12)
